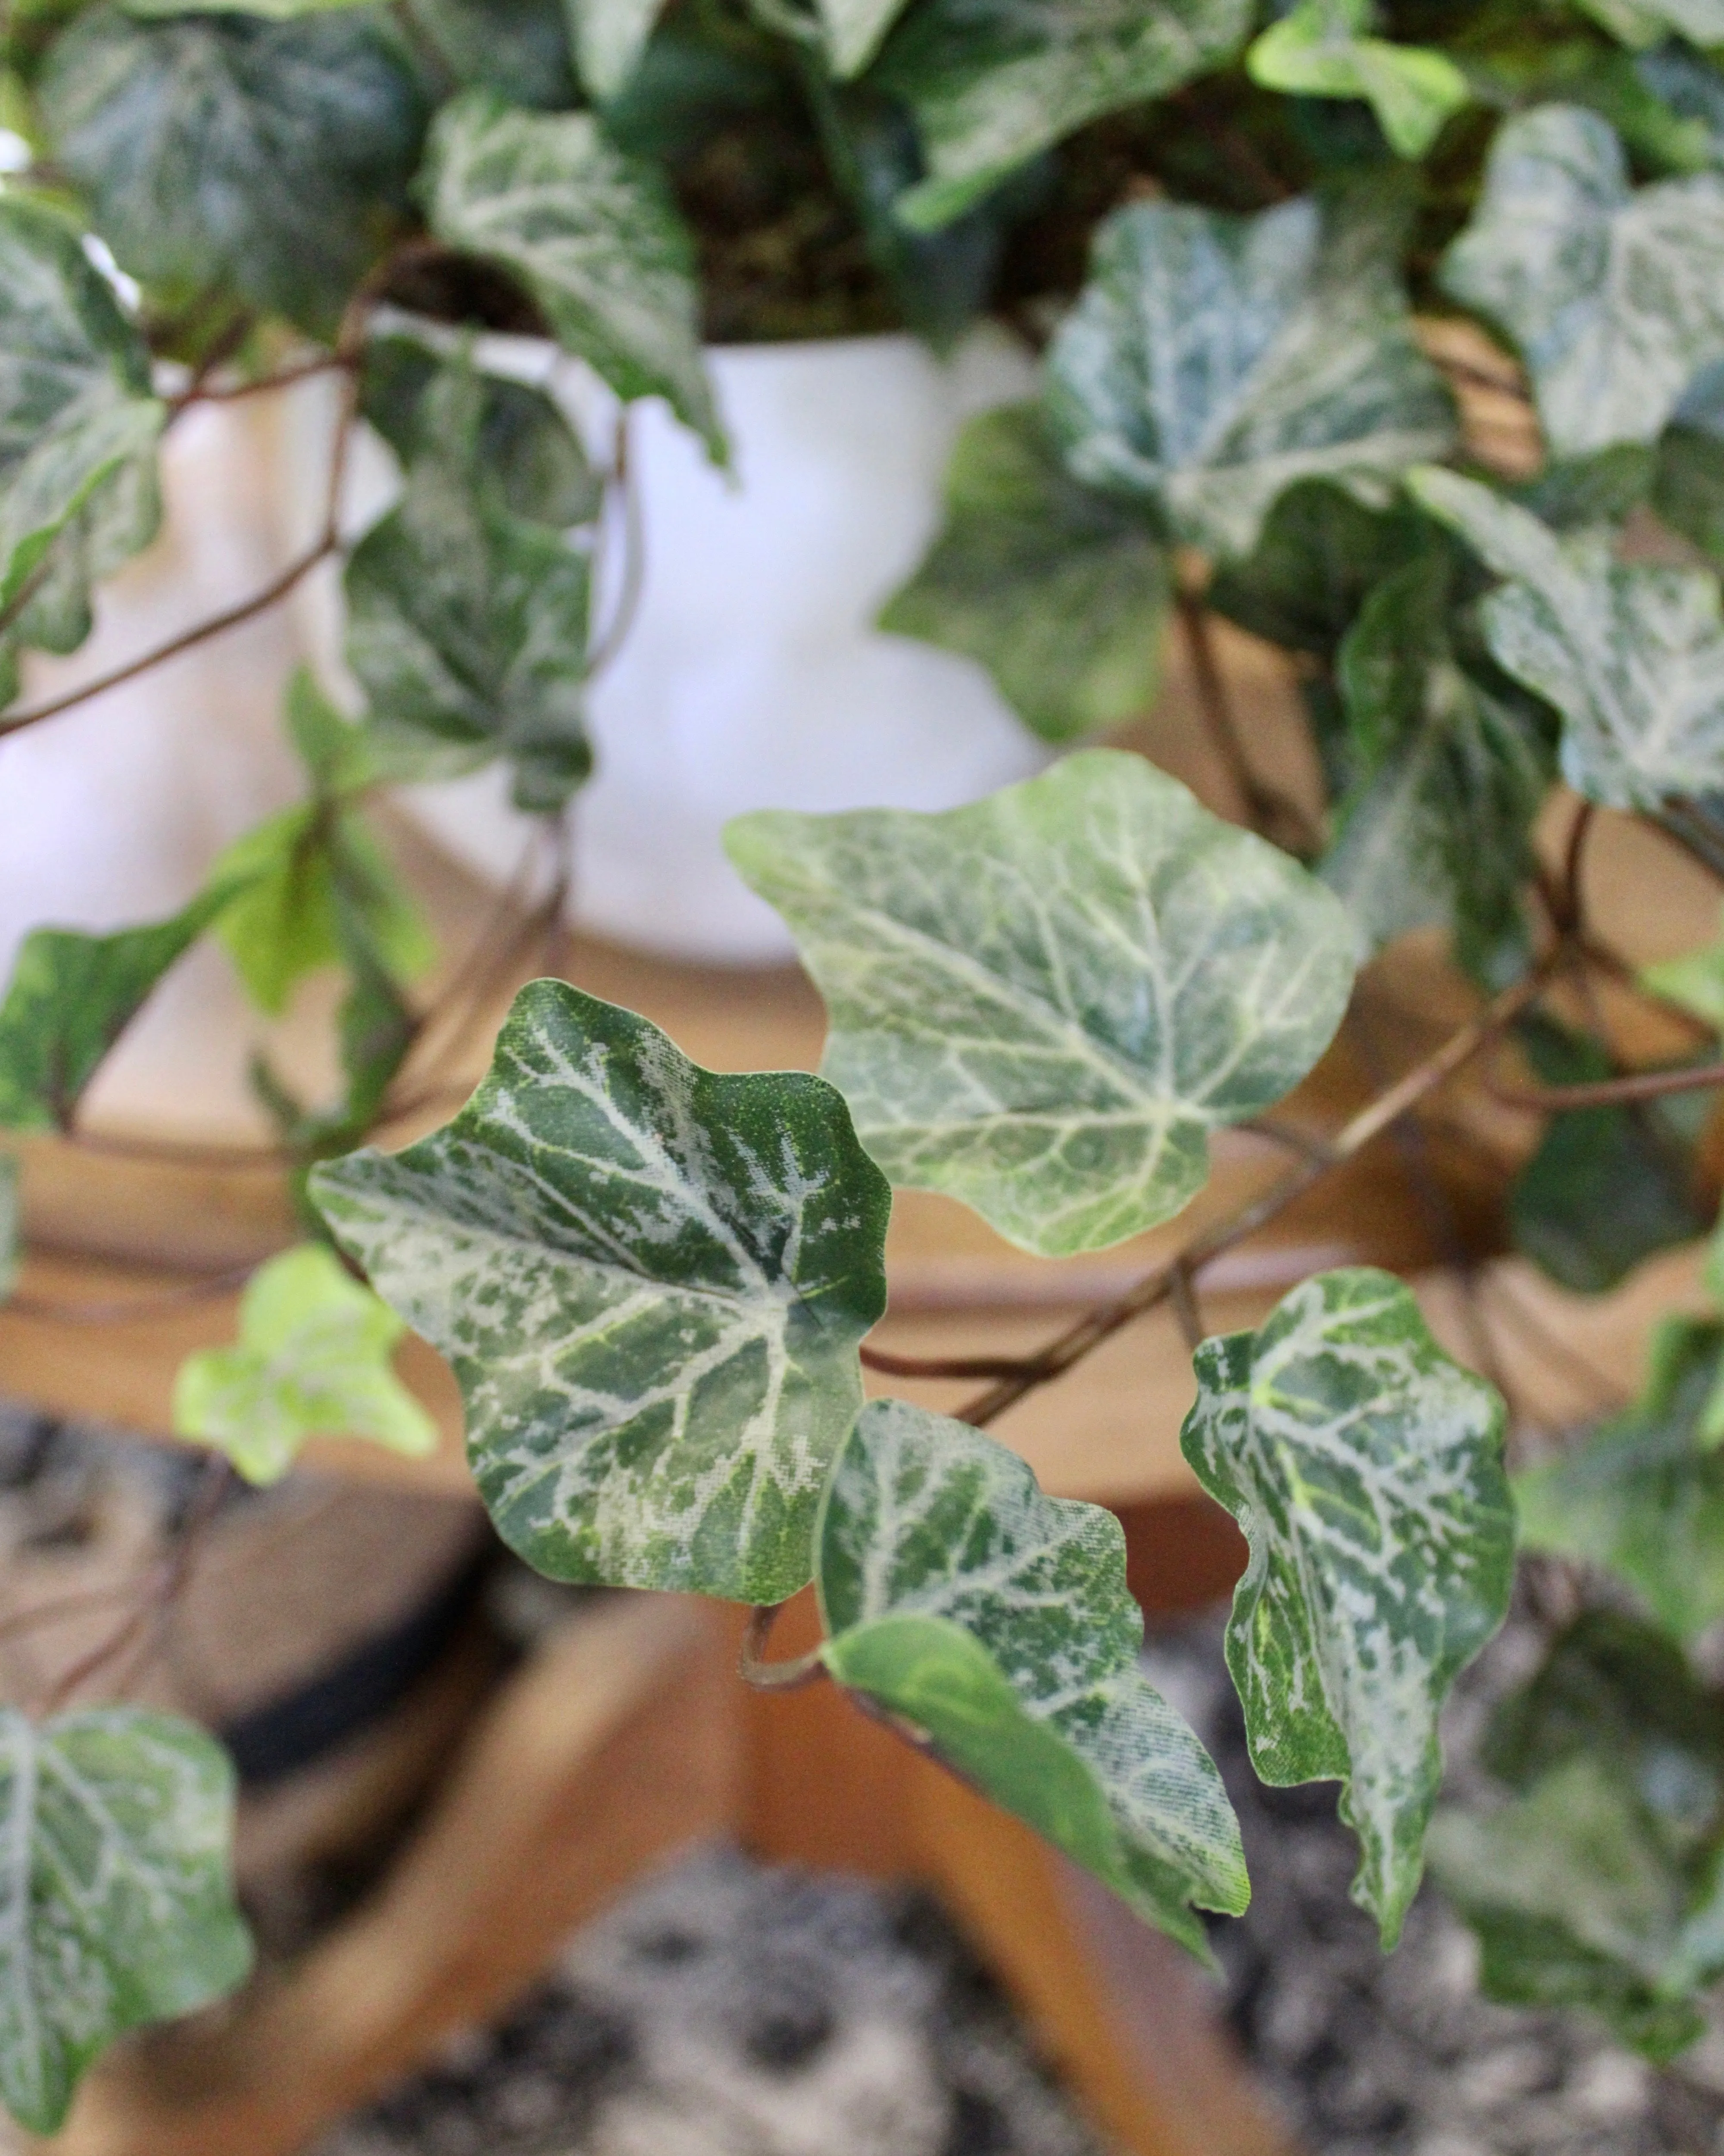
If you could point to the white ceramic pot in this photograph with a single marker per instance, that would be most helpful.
(752, 675)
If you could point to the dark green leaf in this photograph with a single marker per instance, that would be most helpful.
(1061, 593)
(1609, 1186)
(1213, 360)
(117, 1904)
(998, 1621)
(651, 1282)
(265, 160)
(593, 235)
(1321, 550)
(518, 48)
(993, 82)
(1366, 1469)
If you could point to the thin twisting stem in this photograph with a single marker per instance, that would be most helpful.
(1609, 1093)
(755, 1670)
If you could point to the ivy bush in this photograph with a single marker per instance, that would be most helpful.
(1243, 243)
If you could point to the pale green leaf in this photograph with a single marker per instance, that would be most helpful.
(1213, 361)
(266, 160)
(1614, 297)
(1631, 654)
(1044, 1004)
(1642, 22)
(312, 1360)
(854, 30)
(467, 622)
(1061, 593)
(1693, 982)
(281, 927)
(992, 83)
(1322, 48)
(1599, 1886)
(998, 1621)
(116, 1905)
(1365, 1470)
(593, 235)
(609, 37)
(1644, 1495)
(651, 1281)
(1447, 777)
(78, 430)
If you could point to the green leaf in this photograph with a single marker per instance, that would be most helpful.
(1615, 298)
(273, 10)
(1436, 826)
(1607, 1186)
(1061, 593)
(1365, 1470)
(1599, 1886)
(651, 1281)
(78, 431)
(518, 48)
(1643, 1496)
(1693, 982)
(1213, 361)
(593, 235)
(1044, 1003)
(282, 925)
(1688, 486)
(312, 1360)
(1320, 50)
(854, 31)
(1320, 552)
(610, 36)
(467, 624)
(1641, 22)
(998, 1621)
(333, 749)
(1631, 654)
(117, 1906)
(266, 160)
(992, 83)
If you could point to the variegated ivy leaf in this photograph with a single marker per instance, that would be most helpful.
(593, 235)
(1614, 297)
(1061, 593)
(651, 1281)
(1213, 361)
(1643, 23)
(312, 1360)
(1323, 48)
(609, 37)
(466, 622)
(117, 1904)
(223, 153)
(1044, 1004)
(1447, 777)
(1598, 1884)
(77, 429)
(1643, 1496)
(1365, 1470)
(992, 83)
(998, 1621)
(1631, 654)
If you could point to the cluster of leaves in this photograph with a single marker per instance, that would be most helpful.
(653, 1281)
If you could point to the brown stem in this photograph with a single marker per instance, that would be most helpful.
(753, 1668)
(1156, 1287)
(1608, 1092)
(203, 392)
(944, 1366)
(206, 1288)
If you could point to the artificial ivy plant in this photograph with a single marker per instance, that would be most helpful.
(1241, 239)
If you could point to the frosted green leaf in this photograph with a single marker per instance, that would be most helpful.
(226, 153)
(1213, 361)
(1322, 48)
(117, 1904)
(651, 1281)
(609, 37)
(594, 236)
(1615, 297)
(992, 83)
(1061, 593)
(1643, 23)
(1435, 826)
(1643, 1496)
(1631, 654)
(1044, 1004)
(998, 1621)
(312, 1360)
(467, 622)
(1365, 1470)
(78, 431)
(854, 31)
(1599, 1884)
